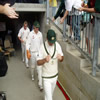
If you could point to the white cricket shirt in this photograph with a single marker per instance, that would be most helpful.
(51, 68)
(23, 34)
(34, 41)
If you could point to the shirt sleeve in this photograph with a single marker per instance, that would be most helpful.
(59, 49)
(28, 33)
(28, 30)
(28, 42)
(68, 5)
(20, 33)
(41, 41)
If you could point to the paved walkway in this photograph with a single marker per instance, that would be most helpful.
(18, 84)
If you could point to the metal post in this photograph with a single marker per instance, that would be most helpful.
(47, 11)
(95, 52)
(64, 29)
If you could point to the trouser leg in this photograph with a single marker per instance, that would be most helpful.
(49, 86)
(23, 52)
(39, 71)
(26, 59)
(47, 89)
(32, 72)
(32, 65)
(54, 84)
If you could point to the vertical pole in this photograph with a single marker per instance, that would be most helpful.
(47, 11)
(64, 29)
(95, 51)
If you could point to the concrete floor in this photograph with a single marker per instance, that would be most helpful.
(18, 85)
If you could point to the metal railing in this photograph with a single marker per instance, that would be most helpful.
(86, 35)
(96, 51)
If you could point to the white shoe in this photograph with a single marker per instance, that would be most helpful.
(32, 78)
(23, 60)
(41, 88)
(27, 66)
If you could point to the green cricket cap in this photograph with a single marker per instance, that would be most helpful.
(36, 24)
(51, 36)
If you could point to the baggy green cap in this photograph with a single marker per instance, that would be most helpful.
(51, 36)
(36, 24)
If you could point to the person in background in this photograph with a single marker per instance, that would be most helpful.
(60, 11)
(49, 54)
(91, 6)
(68, 6)
(53, 4)
(23, 36)
(76, 18)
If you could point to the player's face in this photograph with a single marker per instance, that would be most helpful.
(25, 26)
(36, 29)
(51, 44)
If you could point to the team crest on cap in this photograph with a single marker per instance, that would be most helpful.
(52, 38)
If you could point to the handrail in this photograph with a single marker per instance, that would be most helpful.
(55, 25)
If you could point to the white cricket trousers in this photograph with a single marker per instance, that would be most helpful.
(33, 65)
(24, 53)
(49, 86)
(39, 71)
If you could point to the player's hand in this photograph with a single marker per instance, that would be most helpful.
(61, 20)
(28, 54)
(59, 57)
(53, 19)
(22, 41)
(10, 11)
(80, 9)
(48, 58)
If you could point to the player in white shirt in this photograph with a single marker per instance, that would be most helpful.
(23, 35)
(49, 55)
(34, 41)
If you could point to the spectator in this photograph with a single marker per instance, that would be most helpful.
(68, 6)
(92, 6)
(53, 4)
(60, 11)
